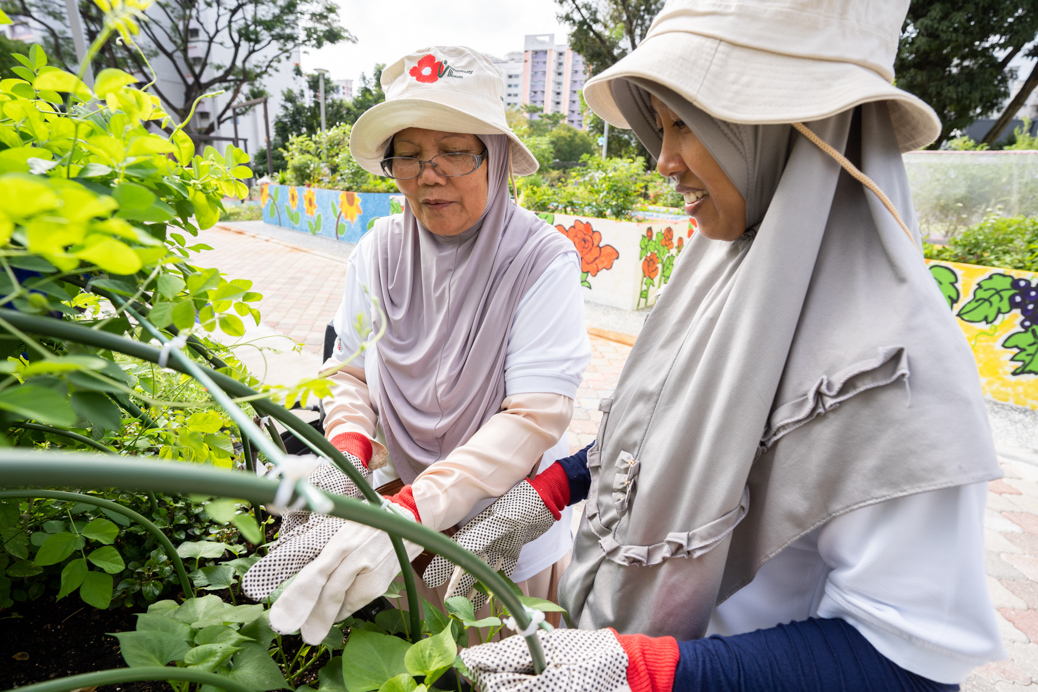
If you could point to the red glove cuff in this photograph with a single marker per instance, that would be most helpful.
(356, 444)
(405, 498)
(553, 486)
(651, 661)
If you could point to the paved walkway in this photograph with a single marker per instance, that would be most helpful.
(301, 282)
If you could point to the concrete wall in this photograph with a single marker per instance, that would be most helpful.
(996, 309)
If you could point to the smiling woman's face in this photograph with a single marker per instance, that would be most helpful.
(710, 197)
(445, 206)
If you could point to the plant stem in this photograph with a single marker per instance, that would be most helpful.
(82, 439)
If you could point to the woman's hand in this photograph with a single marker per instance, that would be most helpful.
(590, 661)
(499, 532)
(303, 534)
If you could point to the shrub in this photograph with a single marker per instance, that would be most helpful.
(570, 144)
(601, 188)
(324, 160)
(1009, 242)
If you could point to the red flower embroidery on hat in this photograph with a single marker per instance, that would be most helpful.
(427, 70)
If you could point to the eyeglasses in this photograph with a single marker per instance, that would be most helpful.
(453, 164)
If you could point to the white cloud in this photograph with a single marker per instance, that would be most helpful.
(386, 30)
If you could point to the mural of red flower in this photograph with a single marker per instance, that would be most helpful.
(594, 257)
(668, 238)
(681, 242)
(648, 234)
(692, 226)
(427, 70)
(651, 265)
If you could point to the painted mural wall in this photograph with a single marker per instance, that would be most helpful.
(331, 214)
(998, 312)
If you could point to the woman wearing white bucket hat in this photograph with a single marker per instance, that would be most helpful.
(471, 385)
(787, 489)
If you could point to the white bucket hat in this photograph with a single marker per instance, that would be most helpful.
(774, 61)
(448, 88)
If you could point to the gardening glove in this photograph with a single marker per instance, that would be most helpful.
(357, 449)
(354, 568)
(304, 534)
(591, 661)
(499, 532)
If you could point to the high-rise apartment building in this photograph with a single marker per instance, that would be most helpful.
(545, 74)
(553, 76)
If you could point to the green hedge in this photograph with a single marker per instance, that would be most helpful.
(1010, 242)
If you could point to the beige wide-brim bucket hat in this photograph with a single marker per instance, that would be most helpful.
(448, 88)
(774, 61)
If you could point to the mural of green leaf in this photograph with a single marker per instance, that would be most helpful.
(1026, 345)
(396, 208)
(947, 281)
(990, 300)
(548, 217)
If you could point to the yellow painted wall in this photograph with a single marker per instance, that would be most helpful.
(994, 359)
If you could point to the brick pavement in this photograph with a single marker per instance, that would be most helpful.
(301, 290)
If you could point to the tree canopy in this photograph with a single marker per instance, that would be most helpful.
(603, 31)
(954, 55)
(212, 45)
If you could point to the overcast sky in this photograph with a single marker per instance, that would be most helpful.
(386, 30)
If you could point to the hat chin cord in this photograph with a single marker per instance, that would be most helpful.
(857, 175)
(511, 177)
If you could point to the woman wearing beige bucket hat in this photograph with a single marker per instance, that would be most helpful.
(788, 486)
(471, 384)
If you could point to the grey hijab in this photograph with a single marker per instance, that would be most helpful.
(449, 304)
(780, 381)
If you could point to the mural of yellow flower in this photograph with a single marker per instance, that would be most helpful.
(264, 194)
(293, 198)
(349, 205)
(310, 201)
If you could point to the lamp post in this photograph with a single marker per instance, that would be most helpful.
(321, 72)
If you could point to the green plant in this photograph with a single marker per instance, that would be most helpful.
(1023, 140)
(601, 188)
(1010, 242)
(242, 212)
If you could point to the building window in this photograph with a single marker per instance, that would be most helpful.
(193, 33)
(196, 60)
(203, 115)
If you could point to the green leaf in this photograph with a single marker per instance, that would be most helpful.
(259, 630)
(201, 549)
(62, 81)
(392, 621)
(231, 325)
(56, 548)
(183, 147)
(18, 545)
(113, 256)
(97, 409)
(72, 577)
(329, 678)
(169, 285)
(253, 667)
(101, 530)
(334, 641)
(990, 300)
(541, 605)
(161, 314)
(374, 659)
(460, 607)
(151, 648)
(206, 213)
(435, 620)
(153, 622)
(24, 568)
(219, 634)
(111, 79)
(947, 281)
(39, 403)
(432, 657)
(1026, 344)
(249, 528)
(108, 559)
(214, 577)
(97, 590)
(37, 56)
(184, 315)
(400, 683)
(209, 657)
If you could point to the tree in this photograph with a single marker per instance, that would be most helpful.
(570, 143)
(236, 42)
(8, 47)
(954, 55)
(300, 115)
(603, 31)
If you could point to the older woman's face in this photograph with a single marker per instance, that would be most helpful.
(710, 197)
(445, 206)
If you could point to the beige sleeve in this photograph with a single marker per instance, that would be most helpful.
(349, 409)
(498, 456)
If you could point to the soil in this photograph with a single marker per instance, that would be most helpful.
(55, 639)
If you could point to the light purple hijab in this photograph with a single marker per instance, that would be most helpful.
(449, 304)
